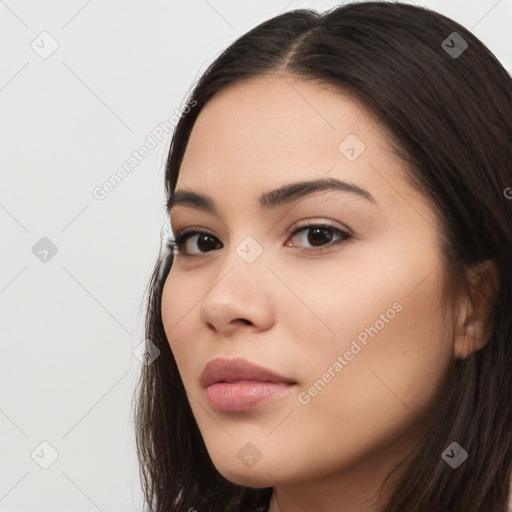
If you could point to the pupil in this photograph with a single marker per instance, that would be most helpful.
(207, 245)
(325, 232)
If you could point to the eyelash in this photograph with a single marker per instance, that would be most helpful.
(181, 238)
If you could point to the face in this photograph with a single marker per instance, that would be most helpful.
(336, 290)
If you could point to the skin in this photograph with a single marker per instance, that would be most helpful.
(296, 312)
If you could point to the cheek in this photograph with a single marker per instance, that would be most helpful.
(395, 351)
(179, 308)
(390, 306)
(389, 322)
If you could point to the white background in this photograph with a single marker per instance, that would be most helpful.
(68, 122)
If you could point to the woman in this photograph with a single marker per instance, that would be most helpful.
(334, 313)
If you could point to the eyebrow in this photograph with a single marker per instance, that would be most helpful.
(274, 198)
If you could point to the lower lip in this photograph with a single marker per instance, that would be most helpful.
(244, 395)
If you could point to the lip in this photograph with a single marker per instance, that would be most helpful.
(232, 370)
(236, 385)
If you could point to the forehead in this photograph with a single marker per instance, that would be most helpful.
(274, 116)
(263, 132)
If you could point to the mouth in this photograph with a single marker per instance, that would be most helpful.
(237, 385)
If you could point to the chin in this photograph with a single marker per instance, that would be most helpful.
(257, 478)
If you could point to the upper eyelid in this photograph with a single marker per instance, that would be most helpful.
(312, 220)
(306, 224)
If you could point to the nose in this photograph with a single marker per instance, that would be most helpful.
(239, 296)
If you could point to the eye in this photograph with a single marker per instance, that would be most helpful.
(321, 236)
(205, 241)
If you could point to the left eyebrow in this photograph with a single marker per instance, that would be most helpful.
(274, 198)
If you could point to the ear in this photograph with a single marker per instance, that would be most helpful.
(473, 317)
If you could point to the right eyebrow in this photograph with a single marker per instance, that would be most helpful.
(274, 198)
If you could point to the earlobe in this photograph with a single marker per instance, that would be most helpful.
(473, 326)
(470, 339)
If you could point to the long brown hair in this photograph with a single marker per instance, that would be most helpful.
(450, 117)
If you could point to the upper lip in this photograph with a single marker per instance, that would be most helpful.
(230, 370)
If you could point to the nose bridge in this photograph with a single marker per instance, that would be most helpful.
(245, 258)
